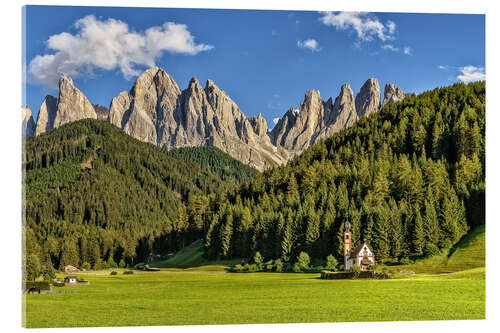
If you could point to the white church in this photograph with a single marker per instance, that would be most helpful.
(362, 255)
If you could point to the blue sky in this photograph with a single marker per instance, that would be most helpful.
(264, 60)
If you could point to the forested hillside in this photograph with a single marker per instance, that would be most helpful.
(411, 175)
(95, 195)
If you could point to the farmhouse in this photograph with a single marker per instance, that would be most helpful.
(70, 279)
(362, 255)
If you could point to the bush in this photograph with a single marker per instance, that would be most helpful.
(278, 265)
(431, 250)
(258, 260)
(42, 285)
(113, 273)
(297, 268)
(317, 269)
(303, 261)
(356, 270)
(238, 268)
(269, 267)
(48, 272)
(111, 263)
(86, 266)
(405, 261)
(446, 244)
(331, 263)
(128, 272)
(99, 265)
(122, 263)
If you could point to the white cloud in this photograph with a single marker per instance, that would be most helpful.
(391, 26)
(390, 47)
(275, 120)
(408, 51)
(471, 74)
(109, 44)
(366, 26)
(310, 44)
(442, 67)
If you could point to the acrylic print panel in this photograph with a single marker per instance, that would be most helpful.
(179, 175)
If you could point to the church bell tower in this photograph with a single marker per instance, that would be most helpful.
(347, 243)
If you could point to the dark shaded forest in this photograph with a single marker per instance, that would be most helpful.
(410, 176)
(96, 197)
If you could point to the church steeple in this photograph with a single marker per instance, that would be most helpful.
(347, 241)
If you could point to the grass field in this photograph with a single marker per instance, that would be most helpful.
(192, 257)
(468, 253)
(182, 298)
(176, 296)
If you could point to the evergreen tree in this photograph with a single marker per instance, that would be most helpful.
(418, 234)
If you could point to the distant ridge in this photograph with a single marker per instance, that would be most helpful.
(157, 111)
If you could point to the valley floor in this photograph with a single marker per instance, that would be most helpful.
(177, 297)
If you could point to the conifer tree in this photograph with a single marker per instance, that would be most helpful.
(418, 233)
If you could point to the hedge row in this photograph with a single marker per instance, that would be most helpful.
(352, 275)
(42, 285)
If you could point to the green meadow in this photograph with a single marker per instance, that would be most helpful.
(195, 296)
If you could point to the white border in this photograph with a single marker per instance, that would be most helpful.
(10, 81)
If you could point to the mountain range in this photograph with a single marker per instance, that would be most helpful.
(157, 111)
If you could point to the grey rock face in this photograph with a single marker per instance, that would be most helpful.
(157, 111)
(283, 126)
(316, 120)
(71, 105)
(28, 124)
(101, 111)
(46, 115)
(296, 130)
(342, 115)
(368, 98)
(392, 94)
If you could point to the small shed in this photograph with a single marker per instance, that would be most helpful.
(70, 279)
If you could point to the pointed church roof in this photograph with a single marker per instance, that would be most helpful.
(360, 247)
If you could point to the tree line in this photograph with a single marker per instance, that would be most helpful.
(410, 176)
(96, 197)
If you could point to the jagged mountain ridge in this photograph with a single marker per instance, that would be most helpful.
(157, 111)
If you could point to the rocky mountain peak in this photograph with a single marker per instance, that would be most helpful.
(392, 94)
(311, 98)
(368, 99)
(155, 110)
(46, 115)
(28, 124)
(72, 104)
(259, 125)
(345, 99)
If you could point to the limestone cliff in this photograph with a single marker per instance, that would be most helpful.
(28, 124)
(392, 94)
(71, 105)
(157, 111)
(368, 98)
